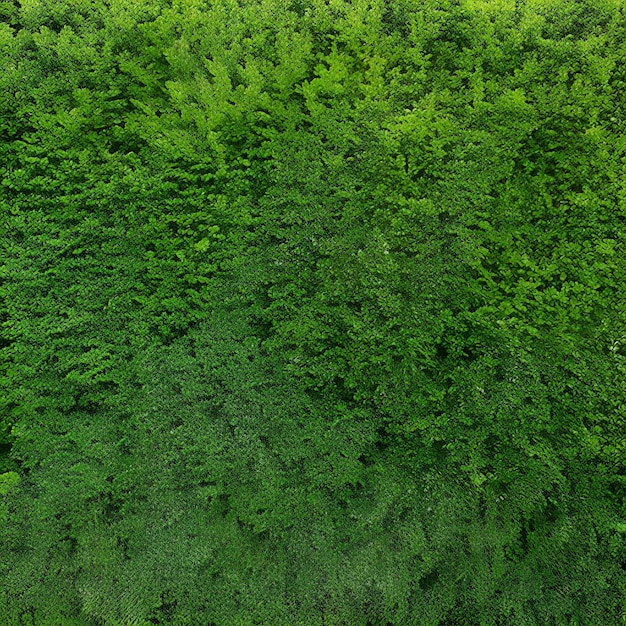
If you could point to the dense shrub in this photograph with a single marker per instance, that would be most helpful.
(312, 312)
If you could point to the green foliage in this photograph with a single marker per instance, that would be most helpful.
(312, 312)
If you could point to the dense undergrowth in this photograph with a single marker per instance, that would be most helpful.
(313, 312)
